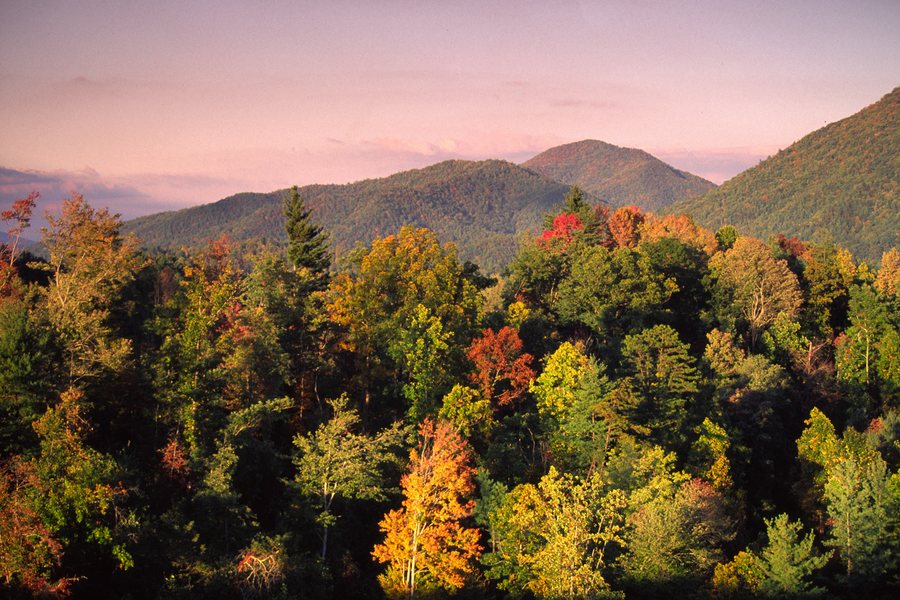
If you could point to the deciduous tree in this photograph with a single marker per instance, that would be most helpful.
(427, 545)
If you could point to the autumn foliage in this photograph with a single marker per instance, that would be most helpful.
(427, 545)
(502, 369)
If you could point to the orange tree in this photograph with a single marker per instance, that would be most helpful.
(426, 545)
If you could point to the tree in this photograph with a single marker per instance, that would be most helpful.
(681, 228)
(625, 226)
(335, 461)
(888, 280)
(552, 539)
(26, 375)
(427, 546)
(421, 351)
(827, 276)
(859, 493)
(781, 569)
(676, 533)
(726, 236)
(753, 287)
(307, 242)
(20, 214)
(612, 292)
(29, 552)
(857, 501)
(664, 377)
(392, 278)
(787, 561)
(569, 392)
(868, 352)
(502, 370)
(90, 263)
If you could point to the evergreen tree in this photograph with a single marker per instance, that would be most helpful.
(307, 242)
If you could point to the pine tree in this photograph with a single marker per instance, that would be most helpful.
(307, 242)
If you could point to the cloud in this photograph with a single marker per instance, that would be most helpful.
(584, 103)
(128, 197)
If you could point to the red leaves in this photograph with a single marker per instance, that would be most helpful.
(502, 371)
(562, 232)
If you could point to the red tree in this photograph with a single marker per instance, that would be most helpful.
(502, 370)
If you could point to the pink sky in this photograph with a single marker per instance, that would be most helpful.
(155, 105)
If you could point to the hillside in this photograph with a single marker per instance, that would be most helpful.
(841, 181)
(619, 176)
(481, 206)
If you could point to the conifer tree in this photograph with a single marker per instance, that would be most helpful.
(307, 242)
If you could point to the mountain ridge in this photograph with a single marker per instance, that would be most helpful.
(839, 183)
(483, 206)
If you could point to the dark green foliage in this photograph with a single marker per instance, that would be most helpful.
(840, 181)
(664, 379)
(26, 376)
(614, 461)
(481, 206)
(307, 242)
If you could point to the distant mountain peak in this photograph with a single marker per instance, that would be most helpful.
(617, 175)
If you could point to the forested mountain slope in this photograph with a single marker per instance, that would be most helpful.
(618, 176)
(481, 206)
(841, 181)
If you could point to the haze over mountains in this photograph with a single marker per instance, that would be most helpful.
(482, 206)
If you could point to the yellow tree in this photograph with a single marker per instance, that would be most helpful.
(753, 287)
(426, 545)
(90, 264)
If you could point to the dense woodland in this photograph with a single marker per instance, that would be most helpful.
(638, 407)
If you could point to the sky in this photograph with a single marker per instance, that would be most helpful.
(149, 106)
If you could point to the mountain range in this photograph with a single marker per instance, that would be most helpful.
(482, 206)
(840, 183)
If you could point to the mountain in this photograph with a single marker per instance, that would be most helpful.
(841, 182)
(481, 206)
(23, 242)
(618, 176)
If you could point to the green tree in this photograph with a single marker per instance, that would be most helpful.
(26, 375)
(421, 351)
(664, 377)
(552, 539)
(857, 501)
(307, 242)
(569, 392)
(787, 561)
(781, 569)
(335, 461)
(676, 534)
(612, 293)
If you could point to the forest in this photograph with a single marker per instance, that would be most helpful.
(635, 407)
